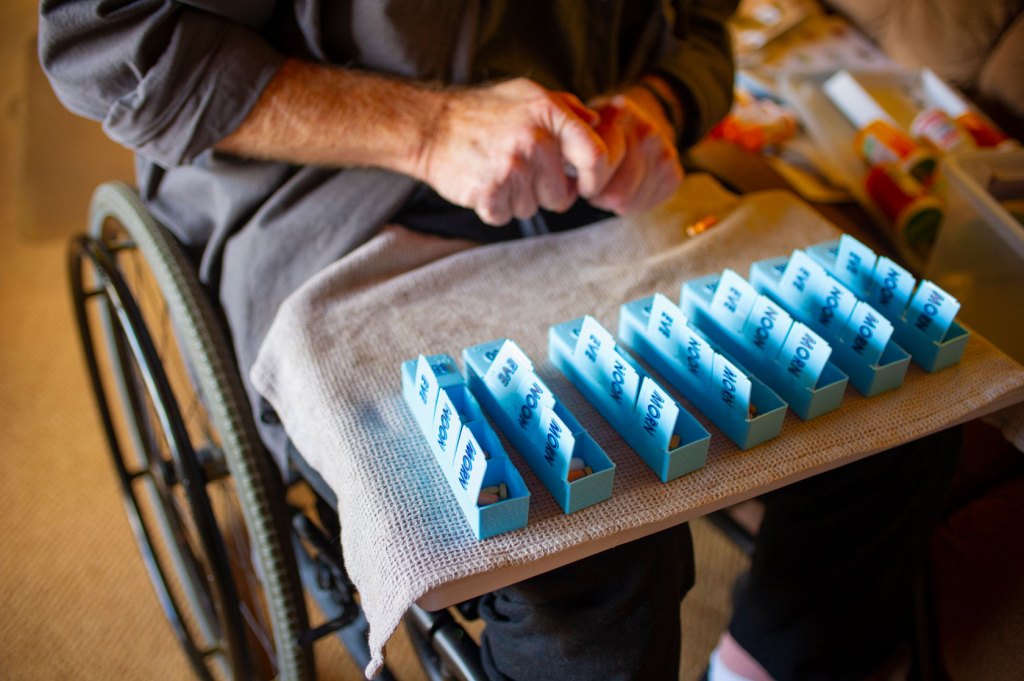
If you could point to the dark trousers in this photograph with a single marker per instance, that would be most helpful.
(829, 594)
(613, 616)
(830, 591)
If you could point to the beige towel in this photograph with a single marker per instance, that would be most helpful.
(330, 366)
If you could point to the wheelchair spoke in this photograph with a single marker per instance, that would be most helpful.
(139, 280)
(200, 614)
(195, 565)
(250, 592)
(260, 631)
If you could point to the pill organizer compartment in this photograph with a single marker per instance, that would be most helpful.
(745, 431)
(570, 496)
(930, 355)
(508, 514)
(667, 464)
(870, 379)
(806, 402)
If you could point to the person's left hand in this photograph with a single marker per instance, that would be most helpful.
(634, 123)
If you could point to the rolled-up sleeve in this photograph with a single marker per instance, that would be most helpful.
(166, 80)
(697, 60)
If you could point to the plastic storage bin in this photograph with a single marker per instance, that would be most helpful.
(979, 252)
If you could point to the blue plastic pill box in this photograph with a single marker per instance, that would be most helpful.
(465, 446)
(869, 374)
(665, 435)
(688, 361)
(544, 432)
(924, 319)
(760, 344)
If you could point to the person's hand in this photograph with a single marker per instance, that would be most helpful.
(634, 124)
(506, 150)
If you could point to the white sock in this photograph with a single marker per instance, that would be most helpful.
(717, 671)
(731, 662)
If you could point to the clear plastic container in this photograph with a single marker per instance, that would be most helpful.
(978, 254)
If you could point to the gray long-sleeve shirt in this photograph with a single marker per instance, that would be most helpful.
(171, 78)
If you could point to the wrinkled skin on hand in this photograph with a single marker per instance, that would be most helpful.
(506, 150)
(649, 170)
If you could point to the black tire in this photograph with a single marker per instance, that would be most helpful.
(203, 497)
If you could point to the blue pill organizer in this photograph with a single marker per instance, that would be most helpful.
(787, 355)
(713, 381)
(465, 446)
(861, 337)
(793, 333)
(544, 432)
(665, 435)
(922, 314)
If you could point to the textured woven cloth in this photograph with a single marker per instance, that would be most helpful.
(330, 366)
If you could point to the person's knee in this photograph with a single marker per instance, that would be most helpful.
(614, 615)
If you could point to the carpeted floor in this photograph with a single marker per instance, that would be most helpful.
(75, 601)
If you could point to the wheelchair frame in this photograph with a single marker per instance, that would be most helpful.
(192, 468)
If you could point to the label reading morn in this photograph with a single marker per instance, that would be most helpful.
(470, 464)
(731, 385)
(931, 311)
(656, 413)
(556, 441)
(868, 332)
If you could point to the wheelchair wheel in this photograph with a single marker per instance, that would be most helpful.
(205, 501)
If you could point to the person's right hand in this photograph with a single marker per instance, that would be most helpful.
(506, 150)
(649, 171)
